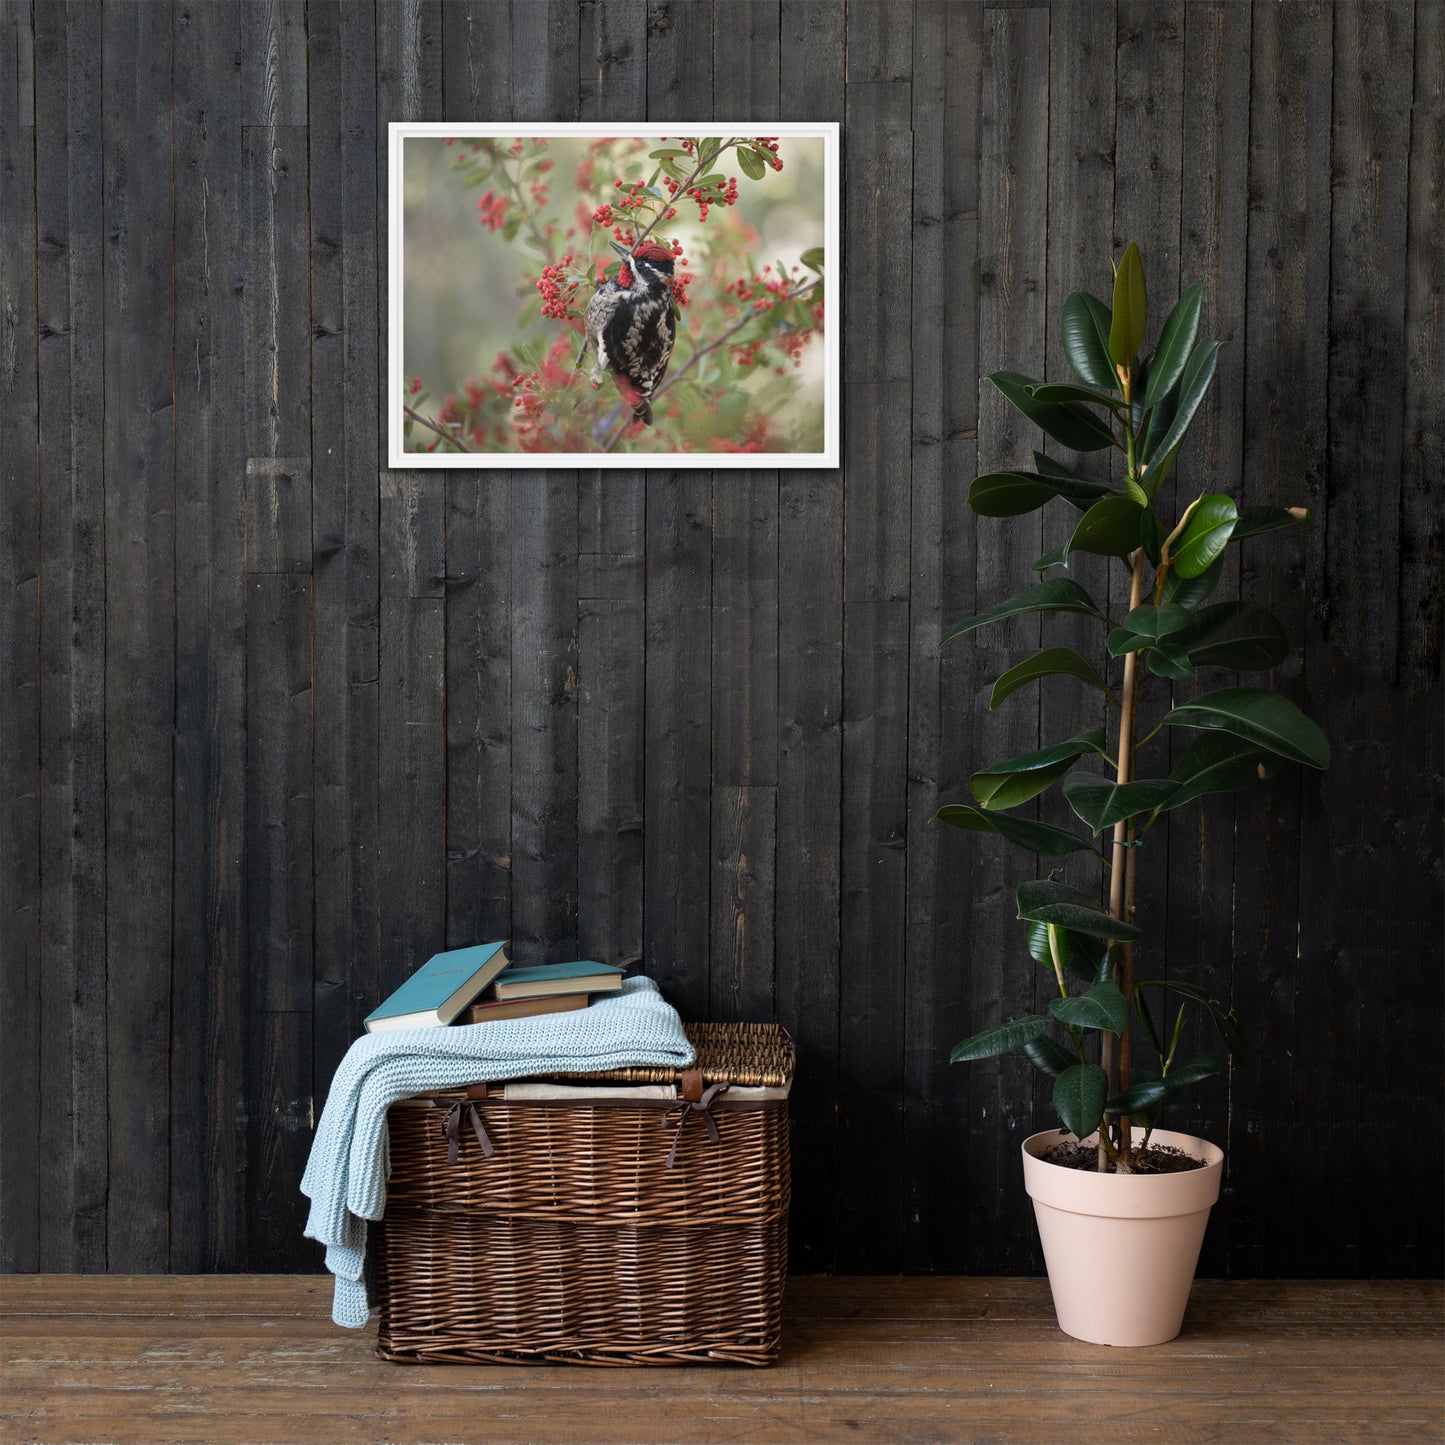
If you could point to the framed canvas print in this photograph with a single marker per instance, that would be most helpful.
(613, 295)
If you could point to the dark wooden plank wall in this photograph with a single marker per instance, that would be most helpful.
(277, 722)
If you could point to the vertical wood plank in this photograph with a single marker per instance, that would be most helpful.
(477, 66)
(1212, 251)
(678, 659)
(1012, 327)
(1350, 664)
(611, 543)
(20, 838)
(876, 499)
(411, 839)
(209, 982)
(139, 625)
(810, 738)
(1285, 430)
(947, 72)
(346, 292)
(544, 521)
(746, 57)
(278, 897)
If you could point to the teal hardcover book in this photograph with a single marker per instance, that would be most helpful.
(440, 989)
(584, 976)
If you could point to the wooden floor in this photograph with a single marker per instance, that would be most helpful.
(157, 1360)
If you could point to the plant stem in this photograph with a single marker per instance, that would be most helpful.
(702, 165)
(1121, 868)
(430, 425)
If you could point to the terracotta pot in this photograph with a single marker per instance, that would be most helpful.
(1121, 1248)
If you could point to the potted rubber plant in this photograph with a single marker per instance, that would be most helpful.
(1121, 1204)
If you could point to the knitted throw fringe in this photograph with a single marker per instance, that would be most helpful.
(346, 1174)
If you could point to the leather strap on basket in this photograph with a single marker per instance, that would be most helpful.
(453, 1129)
(680, 1113)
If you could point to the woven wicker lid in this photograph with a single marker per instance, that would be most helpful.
(751, 1055)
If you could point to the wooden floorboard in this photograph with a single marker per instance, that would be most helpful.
(211, 1359)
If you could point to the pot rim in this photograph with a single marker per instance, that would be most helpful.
(1137, 1196)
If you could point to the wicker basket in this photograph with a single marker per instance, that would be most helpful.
(608, 1232)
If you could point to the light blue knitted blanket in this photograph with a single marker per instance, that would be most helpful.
(346, 1175)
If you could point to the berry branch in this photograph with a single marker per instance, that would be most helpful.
(430, 425)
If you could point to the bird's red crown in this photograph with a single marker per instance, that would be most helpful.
(653, 252)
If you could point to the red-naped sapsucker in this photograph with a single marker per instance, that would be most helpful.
(630, 324)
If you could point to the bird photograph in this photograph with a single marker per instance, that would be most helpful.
(612, 296)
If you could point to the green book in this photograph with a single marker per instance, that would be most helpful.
(549, 978)
(440, 989)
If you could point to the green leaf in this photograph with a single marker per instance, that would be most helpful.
(1214, 763)
(1079, 954)
(1206, 1066)
(1134, 1100)
(1239, 635)
(1258, 716)
(1176, 341)
(1001, 1039)
(1206, 534)
(1051, 662)
(1072, 426)
(1041, 838)
(1047, 1056)
(1042, 900)
(1007, 784)
(1079, 1094)
(1059, 557)
(1151, 532)
(1255, 521)
(1110, 528)
(1225, 1022)
(1085, 333)
(1067, 391)
(1146, 1021)
(1058, 595)
(1131, 309)
(1103, 1007)
(1191, 591)
(1168, 659)
(752, 165)
(1151, 623)
(1101, 804)
(1198, 373)
(1011, 494)
(665, 153)
(812, 258)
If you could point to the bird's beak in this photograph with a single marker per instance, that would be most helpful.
(621, 250)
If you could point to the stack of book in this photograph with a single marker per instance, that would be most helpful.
(477, 985)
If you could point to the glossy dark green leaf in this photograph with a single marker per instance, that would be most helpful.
(1152, 623)
(1047, 466)
(1041, 900)
(1085, 333)
(1215, 763)
(1041, 838)
(1068, 391)
(1078, 954)
(1130, 317)
(1206, 1066)
(1103, 1007)
(1138, 1097)
(1059, 557)
(1060, 594)
(1255, 521)
(1051, 662)
(1001, 1039)
(1176, 341)
(1198, 373)
(1101, 804)
(1012, 494)
(1151, 534)
(1048, 1057)
(1110, 528)
(1079, 1094)
(1225, 1022)
(1072, 426)
(1168, 659)
(1240, 635)
(1015, 781)
(1258, 716)
(1206, 534)
(1191, 591)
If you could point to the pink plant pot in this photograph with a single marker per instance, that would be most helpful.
(1121, 1249)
